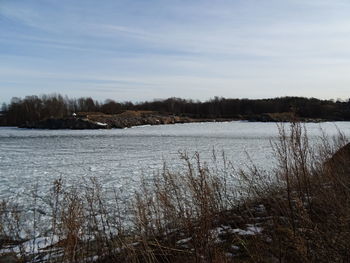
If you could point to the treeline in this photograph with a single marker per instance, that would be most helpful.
(238, 108)
(35, 108)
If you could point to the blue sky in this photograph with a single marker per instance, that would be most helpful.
(141, 50)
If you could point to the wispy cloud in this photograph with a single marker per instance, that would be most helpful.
(111, 30)
(242, 48)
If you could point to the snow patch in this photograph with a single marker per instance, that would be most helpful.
(101, 123)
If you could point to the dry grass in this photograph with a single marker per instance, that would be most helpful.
(208, 213)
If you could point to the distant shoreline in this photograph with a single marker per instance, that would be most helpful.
(128, 119)
(58, 112)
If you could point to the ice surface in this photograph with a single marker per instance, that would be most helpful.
(31, 159)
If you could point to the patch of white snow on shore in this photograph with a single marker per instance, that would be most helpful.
(101, 123)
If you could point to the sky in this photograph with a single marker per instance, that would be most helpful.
(152, 49)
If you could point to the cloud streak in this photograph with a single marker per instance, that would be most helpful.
(190, 49)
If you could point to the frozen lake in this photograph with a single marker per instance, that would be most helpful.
(120, 157)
